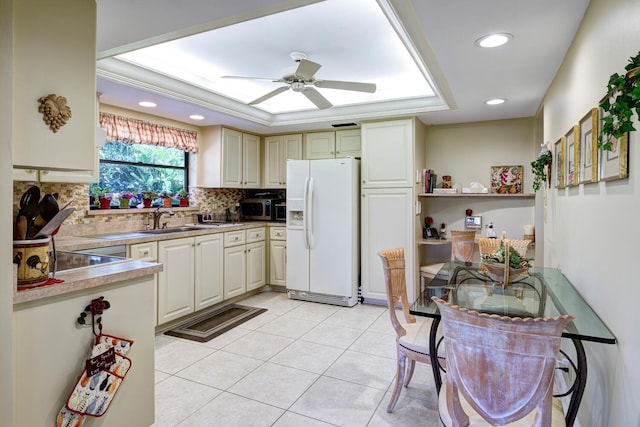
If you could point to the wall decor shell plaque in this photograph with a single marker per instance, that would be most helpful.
(55, 111)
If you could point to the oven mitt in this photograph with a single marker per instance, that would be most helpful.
(92, 394)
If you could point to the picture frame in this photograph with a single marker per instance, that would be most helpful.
(506, 179)
(473, 222)
(572, 155)
(558, 157)
(589, 165)
(614, 163)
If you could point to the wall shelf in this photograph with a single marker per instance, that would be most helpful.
(479, 196)
(434, 242)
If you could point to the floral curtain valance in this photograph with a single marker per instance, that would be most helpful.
(128, 130)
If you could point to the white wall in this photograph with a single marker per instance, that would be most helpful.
(6, 191)
(590, 230)
(466, 152)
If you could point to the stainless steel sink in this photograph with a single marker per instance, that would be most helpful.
(169, 230)
(217, 225)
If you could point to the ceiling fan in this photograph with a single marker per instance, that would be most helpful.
(303, 81)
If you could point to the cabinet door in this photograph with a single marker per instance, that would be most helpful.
(175, 281)
(231, 158)
(273, 158)
(386, 222)
(209, 270)
(348, 143)
(256, 265)
(387, 154)
(320, 145)
(250, 161)
(235, 267)
(147, 251)
(277, 262)
(291, 150)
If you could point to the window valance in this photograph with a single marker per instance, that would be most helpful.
(128, 130)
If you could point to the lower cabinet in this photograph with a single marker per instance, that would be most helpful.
(147, 251)
(176, 280)
(277, 256)
(209, 270)
(244, 261)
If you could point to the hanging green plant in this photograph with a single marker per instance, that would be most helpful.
(621, 100)
(541, 168)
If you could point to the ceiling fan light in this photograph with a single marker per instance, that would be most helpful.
(495, 101)
(493, 40)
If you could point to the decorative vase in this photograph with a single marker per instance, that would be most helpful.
(146, 203)
(166, 202)
(105, 203)
(124, 203)
(184, 202)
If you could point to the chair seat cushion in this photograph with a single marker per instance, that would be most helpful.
(475, 420)
(417, 338)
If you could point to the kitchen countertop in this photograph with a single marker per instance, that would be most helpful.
(103, 275)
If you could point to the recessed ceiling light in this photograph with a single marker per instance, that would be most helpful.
(495, 101)
(196, 117)
(147, 104)
(493, 40)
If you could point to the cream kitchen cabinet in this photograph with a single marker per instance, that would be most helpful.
(228, 158)
(54, 52)
(175, 281)
(388, 154)
(209, 270)
(277, 256)
(332, 144)
(277, 150)
(147, 251)
(192, 278)
(244, 261)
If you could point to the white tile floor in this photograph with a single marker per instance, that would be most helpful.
(298, 364)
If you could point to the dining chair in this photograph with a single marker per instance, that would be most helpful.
(499, 369)
(412, 338)
(520, 245)
(462, 247)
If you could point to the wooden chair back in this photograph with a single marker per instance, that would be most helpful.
(486, 245)
(502, 366)
(462, 245)
(396, 286)
(520, 246)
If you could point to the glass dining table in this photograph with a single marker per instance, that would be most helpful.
(540, 292)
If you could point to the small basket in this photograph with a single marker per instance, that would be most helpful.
(496, 271)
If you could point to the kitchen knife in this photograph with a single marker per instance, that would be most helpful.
(55, 222)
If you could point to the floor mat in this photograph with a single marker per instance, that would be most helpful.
(210, 325)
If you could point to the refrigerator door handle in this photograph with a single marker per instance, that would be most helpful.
(309, 214)
(305, 219)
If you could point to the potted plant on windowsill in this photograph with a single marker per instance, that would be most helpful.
(621, 100)
(165, 195)
(103, 196)
(541, 168)
(148, 196)
(183, 198)
(125, 199)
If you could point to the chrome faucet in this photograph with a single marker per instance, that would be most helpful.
(157, 214)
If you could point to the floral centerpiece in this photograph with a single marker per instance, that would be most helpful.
(125, 199)
(183, 198)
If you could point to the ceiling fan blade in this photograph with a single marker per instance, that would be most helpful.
(314, 96)
(355, 86)
(272, 79)
(306, 69)
(269, 95)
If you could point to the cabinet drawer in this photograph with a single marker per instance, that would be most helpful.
(277, 233)
(255, 235)
(144, 251)
(234, 238)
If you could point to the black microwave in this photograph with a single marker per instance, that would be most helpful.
(258, 209)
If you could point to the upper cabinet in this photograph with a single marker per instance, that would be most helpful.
(332, 144)
(388, 154)
(277, 150)
(54, 52)
(228, 158)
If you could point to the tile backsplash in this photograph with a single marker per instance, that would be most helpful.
(86, 222)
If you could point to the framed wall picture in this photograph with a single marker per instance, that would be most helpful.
(589, 169)
(614, 163)
(506, 179)
(558, 157)
(572, 155)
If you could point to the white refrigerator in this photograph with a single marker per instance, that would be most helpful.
(323, 261)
